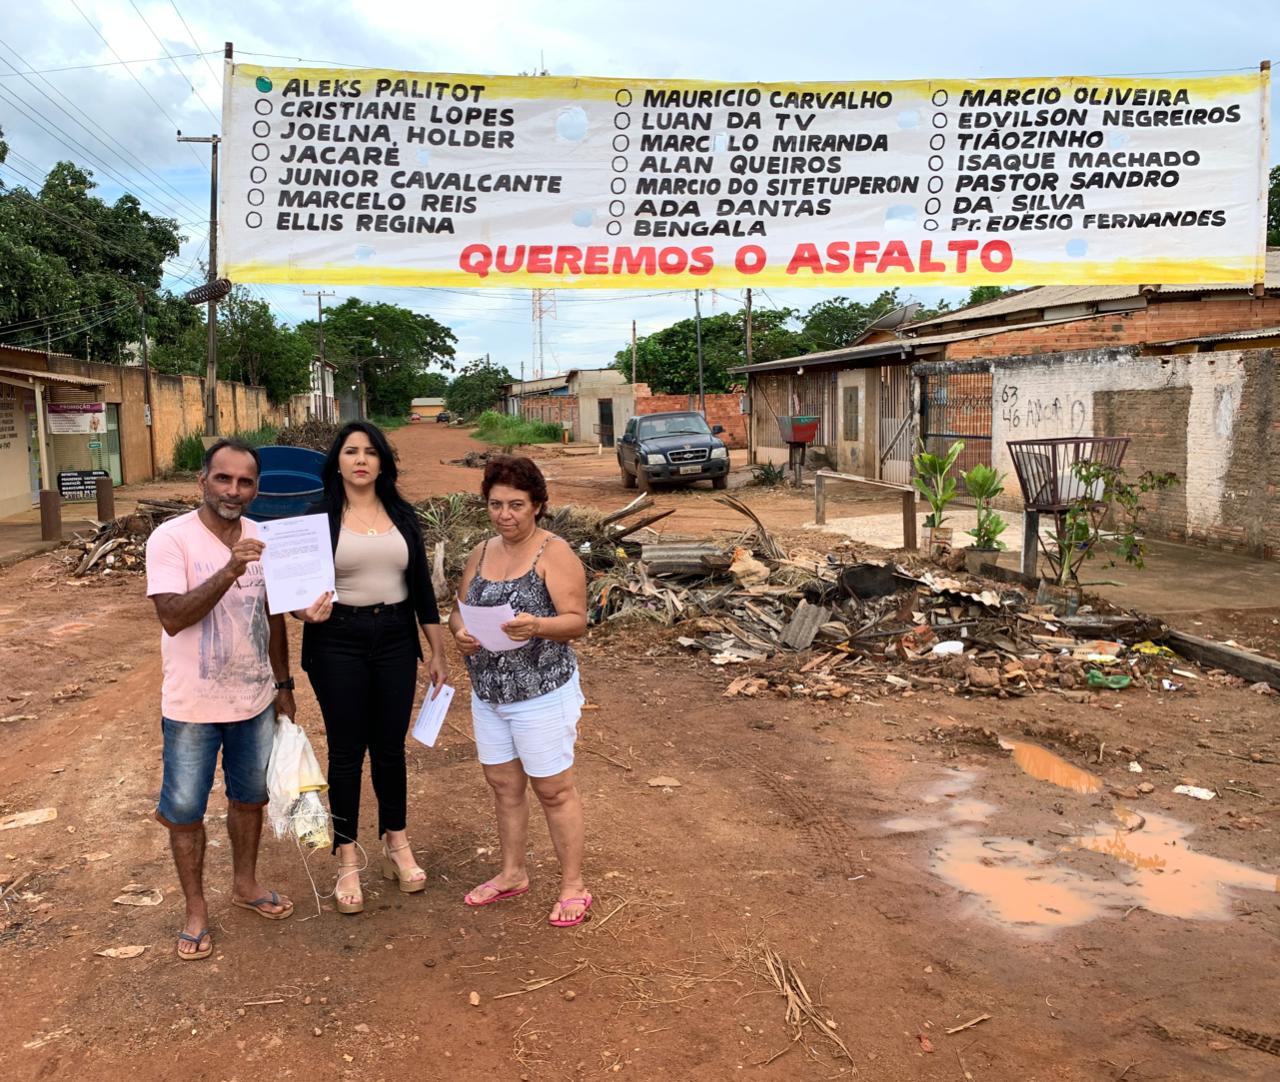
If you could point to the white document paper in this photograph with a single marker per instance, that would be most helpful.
(431, 717)
(297, 561)
(484, 622)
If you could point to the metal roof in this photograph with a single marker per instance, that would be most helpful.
(901, 346)
(1027, 300)
(1224, 336)
(51, 377)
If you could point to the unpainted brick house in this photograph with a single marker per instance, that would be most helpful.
(1186, 371)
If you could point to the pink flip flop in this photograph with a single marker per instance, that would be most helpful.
(500, 896)
(585, 902)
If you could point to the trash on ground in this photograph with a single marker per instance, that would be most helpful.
(28, 818)
(1195, 791)
(121, 952)
(138, 894)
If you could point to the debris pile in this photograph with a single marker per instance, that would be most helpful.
(875, 627)
(453, 525)
(317, 435)
(121, 544)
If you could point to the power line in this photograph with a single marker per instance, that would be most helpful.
(104, 64)
(203, 56)
(65, 138)
(94, 128)
(216, 119)
(163, 110)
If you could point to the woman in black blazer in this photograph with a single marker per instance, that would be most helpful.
(361, 651)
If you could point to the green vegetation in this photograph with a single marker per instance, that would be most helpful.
(507, 431)
(769, 475)
(188, 450)
(667, 360)
(477, 388)
(984, 484)
(934, 482)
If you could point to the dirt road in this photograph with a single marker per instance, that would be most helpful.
(916, 877)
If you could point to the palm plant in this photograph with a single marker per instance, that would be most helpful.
(934, 482)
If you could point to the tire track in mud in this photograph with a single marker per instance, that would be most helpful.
(824, 832)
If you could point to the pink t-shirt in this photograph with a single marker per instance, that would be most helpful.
(218, 669)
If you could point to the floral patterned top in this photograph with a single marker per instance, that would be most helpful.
(514, 676)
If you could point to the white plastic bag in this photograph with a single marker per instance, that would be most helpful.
(294, 784)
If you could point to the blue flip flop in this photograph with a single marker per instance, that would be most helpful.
(192, 956)
(267, 899)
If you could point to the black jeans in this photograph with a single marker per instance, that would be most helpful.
(364, 669)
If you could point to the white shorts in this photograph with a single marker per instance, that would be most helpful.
(539, 732)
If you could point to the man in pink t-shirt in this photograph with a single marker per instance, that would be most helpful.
(226, 677)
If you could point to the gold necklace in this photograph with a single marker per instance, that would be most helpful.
(370, 531)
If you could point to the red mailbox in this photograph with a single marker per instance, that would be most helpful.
(798, 429)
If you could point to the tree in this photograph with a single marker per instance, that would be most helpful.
(1273, 209)
(476, 388)
(254, 347)
(73, 265)
(667, 360)
(836, 323)
(389, 346)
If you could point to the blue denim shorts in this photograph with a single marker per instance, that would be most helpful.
(191, 757)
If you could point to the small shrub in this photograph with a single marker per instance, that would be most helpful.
(508, 431)
(769, 475)
(188, 450)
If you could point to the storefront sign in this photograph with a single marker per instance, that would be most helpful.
(79, 484)
(371, 177)
(77, 418)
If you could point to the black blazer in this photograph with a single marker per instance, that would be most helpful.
(422, 596)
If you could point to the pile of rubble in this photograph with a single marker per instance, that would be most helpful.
(119, 546)
(875, 628)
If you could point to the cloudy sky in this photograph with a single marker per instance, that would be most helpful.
(119, 119)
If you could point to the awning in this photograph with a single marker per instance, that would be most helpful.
(32, 376)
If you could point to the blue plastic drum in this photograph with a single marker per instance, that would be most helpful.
(289, 482)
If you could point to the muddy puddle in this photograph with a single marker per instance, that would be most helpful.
(1033, 889)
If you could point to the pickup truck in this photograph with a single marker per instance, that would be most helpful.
(676, 448)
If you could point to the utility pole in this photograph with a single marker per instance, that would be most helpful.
(633, 351)
(325, 404)
(211, 344)
(697, 313)
(748, 324)
(146, 377)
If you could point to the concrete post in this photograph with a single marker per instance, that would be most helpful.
(106, 495)
(1031, 543)
(50, 515)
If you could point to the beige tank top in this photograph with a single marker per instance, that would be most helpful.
(371, 570)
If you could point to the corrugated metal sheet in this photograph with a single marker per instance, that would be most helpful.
(52, 377)
(1225, 336)
(882, 349)
(1028, 300)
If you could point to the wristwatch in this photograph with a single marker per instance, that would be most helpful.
(285, 685)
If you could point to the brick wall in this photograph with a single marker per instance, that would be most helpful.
(553, 409)
(722, 409)
(1211, 418)
(1164, 319)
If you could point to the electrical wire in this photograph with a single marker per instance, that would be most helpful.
(203, 56)
(94, 129)
(164, 112)
(216, 119)
(105, 64)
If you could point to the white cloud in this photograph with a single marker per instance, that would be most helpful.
(661, 38)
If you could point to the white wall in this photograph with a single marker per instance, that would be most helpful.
(1037, 398)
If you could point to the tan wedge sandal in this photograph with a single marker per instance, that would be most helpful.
(348, 907)
(391, 870)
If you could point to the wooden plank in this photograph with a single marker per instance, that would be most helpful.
(909, 520)
(820, 498)
(1256, 668)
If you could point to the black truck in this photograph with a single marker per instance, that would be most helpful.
(675, 448)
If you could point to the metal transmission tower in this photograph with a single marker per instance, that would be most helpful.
(544, 304)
